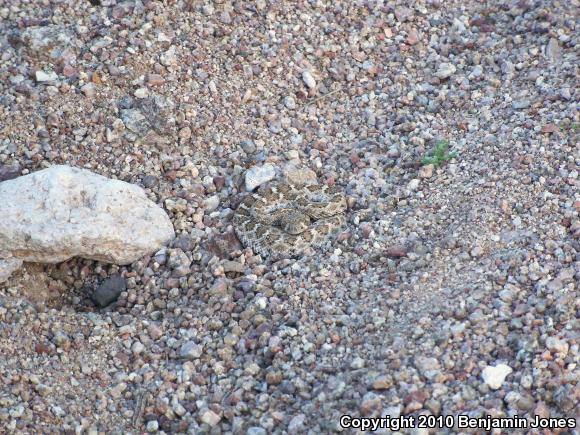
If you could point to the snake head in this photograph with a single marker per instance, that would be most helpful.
(294, 222)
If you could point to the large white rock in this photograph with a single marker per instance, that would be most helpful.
(61, 212)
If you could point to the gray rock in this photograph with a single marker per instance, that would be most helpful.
(184, 242)
(51, 41)
(9, 172)
(109, 291)
(553, 50)
(565, 93)
(445, 70)
(248, 146)
(297, 423)
(211, 203)
(190, 350)
(428, 367)
(150, 181)
(258, 175)
(507, 68)
(135, 121)
(233, 266)
(520, 104)
(42, 76)
(179, 262)
(152, 426)
(62, 212)
(308, 79)
(290, 102)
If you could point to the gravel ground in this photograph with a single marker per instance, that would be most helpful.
(441, 272)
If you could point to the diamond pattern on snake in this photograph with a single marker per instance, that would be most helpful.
(283, 220)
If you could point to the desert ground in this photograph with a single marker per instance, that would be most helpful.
(452, 129)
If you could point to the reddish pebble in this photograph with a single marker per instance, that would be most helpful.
(171, 175)
(42, 348)
(396, 251)
(155, 79)
(219, 182)
(366, 230)
(413, 37)
(70, 72)
(550, 128)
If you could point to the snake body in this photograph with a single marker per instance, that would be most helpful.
(283, 220)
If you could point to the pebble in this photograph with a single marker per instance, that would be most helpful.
(553, 51)
(109, 291)
(426, 171)
(445, 70)
(211, 203)
(8, 172)
(258, 175)
(89, 90)
(155, 79)
(150, 181)
(211, 418)
(556, 345)
(396, 251)
(309, 79)
(141, 93)
(494, 376)
(413, 184)
(152, 426)
(190, 350)
(233, 266)
(290, 102)
(8, 266)
(296, 423)
(520, 104)
(42, 76)
(383, 382)
(428, 367)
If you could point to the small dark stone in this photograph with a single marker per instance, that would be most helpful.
(184, 242)
(109, 291)
(9, 172)
(246, 286)
(219, 182)
(150, 181)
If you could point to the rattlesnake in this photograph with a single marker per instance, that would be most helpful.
(283, 220)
